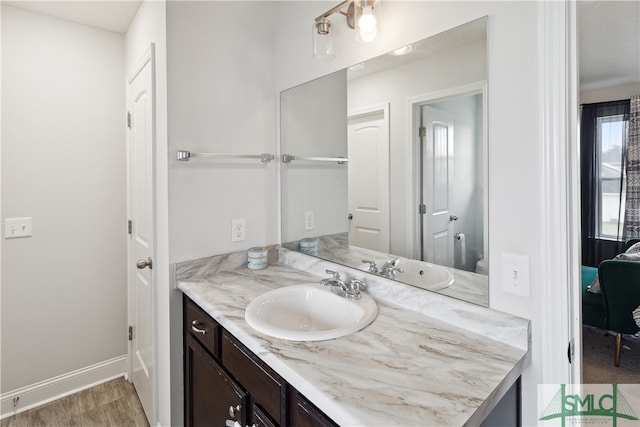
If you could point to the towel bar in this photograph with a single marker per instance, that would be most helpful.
(184, 155)
(287, 158)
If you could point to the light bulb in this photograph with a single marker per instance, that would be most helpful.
(367, 24)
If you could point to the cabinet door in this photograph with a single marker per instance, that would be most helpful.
(267, 389)
(210, 394)
(260, 419)
(304, 414)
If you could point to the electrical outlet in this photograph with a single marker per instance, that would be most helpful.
(309, 221)
(515, 274)
(17, 227)
(238, 230)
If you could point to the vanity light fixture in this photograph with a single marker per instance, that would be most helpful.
(322, 40)
(361, 15)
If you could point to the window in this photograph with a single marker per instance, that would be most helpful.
(611, 137)
(603, 145)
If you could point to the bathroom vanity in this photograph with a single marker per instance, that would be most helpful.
(224, 381)
(425, 360)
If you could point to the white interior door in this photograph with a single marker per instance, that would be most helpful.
(368, 178)
(140, 105)
(437, 185)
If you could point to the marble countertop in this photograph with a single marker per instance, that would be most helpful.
(425, 360)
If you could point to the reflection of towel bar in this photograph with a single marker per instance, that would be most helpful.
(186, 155)
(287, 158)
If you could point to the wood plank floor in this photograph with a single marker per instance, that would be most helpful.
(113, 404)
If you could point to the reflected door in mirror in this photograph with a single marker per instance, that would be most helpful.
(368, 178)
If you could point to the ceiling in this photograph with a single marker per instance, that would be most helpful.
(609, 43)
(110, 15)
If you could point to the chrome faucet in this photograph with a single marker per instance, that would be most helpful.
(338, 286)
(354, 287)
(390, 268)
(349, 289)
(373, 268)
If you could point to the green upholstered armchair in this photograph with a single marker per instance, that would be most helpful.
(620, 283)
(612, 310)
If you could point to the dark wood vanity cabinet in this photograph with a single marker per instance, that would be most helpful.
(209, 391)
(225, 382)
(304, 414)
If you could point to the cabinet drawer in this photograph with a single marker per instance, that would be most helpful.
(203, 328)
(266, 387)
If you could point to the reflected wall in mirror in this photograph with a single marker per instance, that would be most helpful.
(386, 160)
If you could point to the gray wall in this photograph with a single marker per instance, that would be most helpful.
(221, 100)
(64, 290)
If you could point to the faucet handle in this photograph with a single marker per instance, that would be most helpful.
(335, 274)
(373, 268)
(391, 273)
(392, 262)
(354, 286)
(390, 268)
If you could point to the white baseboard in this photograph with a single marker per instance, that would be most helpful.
(55, 388)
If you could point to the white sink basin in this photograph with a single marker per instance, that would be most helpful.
(309, 312)
(419, 273)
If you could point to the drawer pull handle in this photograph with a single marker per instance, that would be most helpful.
(234, 409)
(194, 328)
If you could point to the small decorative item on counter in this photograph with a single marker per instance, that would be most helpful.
(257, 258)
(309, 246)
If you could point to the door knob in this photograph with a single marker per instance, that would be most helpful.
(143, 263)
(350, 216)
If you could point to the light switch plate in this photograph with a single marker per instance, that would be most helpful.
(17, 227)
(515, 274)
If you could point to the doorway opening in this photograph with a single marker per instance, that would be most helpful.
(449, 152)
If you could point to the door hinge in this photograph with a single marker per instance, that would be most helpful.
(422, 132)
(129, 120)
(129, 226)
(422, 209)
(130, 333)
(570, 350)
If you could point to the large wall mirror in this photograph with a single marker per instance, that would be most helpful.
(384, 165)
